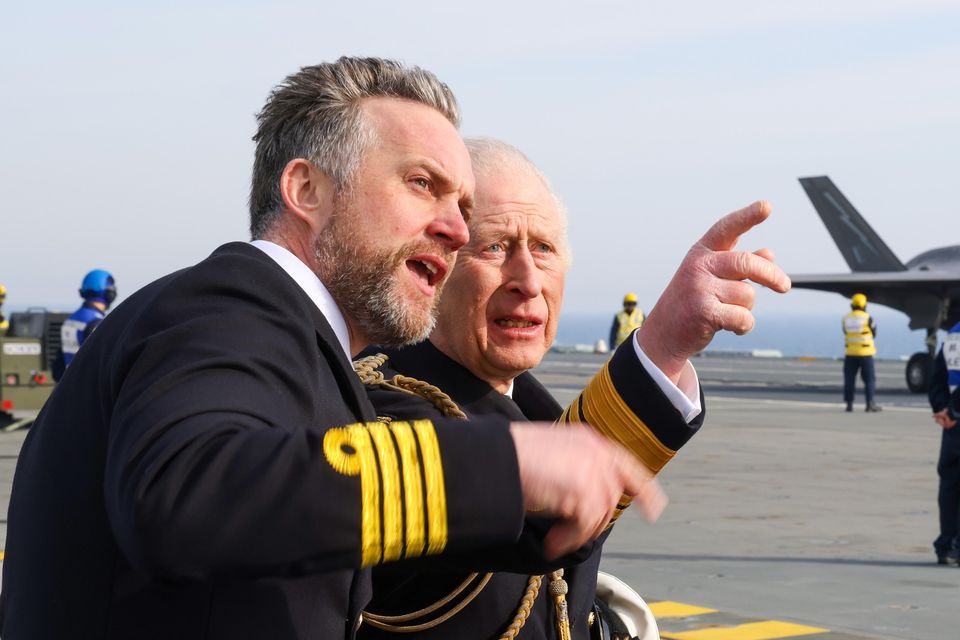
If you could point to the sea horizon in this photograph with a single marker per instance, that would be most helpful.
(801, 335)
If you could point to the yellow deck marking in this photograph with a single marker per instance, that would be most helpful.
(668, 609)
(751, 631)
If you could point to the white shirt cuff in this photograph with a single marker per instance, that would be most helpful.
(685, 395)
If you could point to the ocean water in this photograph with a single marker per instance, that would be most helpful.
(815, 335)
(799, 335)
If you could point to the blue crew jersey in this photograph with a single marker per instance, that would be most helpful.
(78, 328)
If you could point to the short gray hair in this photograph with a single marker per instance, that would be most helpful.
(315, 114)
(491, 156)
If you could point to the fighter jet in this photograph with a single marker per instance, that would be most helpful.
(926, 288)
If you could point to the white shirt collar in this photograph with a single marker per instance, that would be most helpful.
(312, 286)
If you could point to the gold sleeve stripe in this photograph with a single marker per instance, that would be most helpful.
(390, 489)
(396, 486)
(370, 492)
(340, 452)
(578, 408)
(350, 451)
(436, 492)
(412, 488)
(572, 412)
(621, 507)
(605, 410)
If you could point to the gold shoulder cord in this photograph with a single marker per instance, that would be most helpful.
(368, 370)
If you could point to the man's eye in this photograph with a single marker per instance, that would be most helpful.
(423, 183)
(543, 247)
(495, 248)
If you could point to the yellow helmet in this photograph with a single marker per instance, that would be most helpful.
(630, 297)
(859, 301)
(3, 291)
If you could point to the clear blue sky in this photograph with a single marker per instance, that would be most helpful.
(127, 128)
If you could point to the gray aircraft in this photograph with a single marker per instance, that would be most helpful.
(926, 288)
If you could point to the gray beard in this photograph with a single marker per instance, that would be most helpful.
(365, 283)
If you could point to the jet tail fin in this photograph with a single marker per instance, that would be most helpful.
(860, 245)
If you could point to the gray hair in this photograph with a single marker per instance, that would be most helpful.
(315, 114)
(491, 156)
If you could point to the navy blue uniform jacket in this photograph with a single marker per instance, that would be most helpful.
(634, 410)
(176, 484)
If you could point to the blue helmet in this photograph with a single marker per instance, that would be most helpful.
(99, 286)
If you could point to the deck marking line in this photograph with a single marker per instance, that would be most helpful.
(668, 609)
(767, 630)
(812, 403)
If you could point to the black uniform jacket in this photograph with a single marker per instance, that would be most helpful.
(189, 477)
(632, 410)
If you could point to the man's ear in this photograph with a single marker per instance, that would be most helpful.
(308, 194)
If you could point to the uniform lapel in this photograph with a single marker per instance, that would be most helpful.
(347, 380)
(474, 396)
(351, 390)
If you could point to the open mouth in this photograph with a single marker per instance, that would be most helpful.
(429, 269)
(510, 323)
(519, 325)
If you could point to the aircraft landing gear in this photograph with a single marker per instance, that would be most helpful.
(920, 365)
(918, 371)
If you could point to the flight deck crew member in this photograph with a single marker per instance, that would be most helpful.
(859, 331)
(944, 396)
(626, 321)
(209, 465)
(497, 319)
(98, 291)
(4, 323)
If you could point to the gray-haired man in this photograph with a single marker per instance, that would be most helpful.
(498, 317)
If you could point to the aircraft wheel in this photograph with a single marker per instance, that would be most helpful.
(918, 372)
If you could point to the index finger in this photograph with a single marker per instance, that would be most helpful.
(737, 265)
(651, 500)
(723, 235)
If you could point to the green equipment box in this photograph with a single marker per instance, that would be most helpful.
(28, 355)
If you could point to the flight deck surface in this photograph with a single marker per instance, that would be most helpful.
(790, 517)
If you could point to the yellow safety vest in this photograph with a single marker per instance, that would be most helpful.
(626, 323)
(856, 331)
